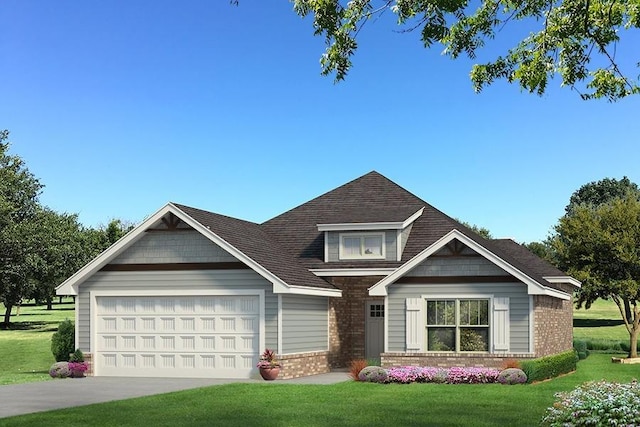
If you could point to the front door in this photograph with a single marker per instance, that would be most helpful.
(374, 330)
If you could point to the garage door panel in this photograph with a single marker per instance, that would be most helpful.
(210, 336)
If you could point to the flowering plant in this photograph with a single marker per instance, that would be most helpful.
(78, 367)
(268, 360)
(456, 375)
(596, 403)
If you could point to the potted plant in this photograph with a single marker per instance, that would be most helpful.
(268, 365)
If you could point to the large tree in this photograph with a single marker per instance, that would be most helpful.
(600, 246)
(575, 39)
(19, 191)
(599, 192)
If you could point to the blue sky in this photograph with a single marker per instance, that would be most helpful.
(119, 107)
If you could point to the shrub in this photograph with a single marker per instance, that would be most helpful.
(550, 366)
(596, 404)
(63, 341)
(580, 347)
(374, 374)
(355, 367)
(78, 369)
(509, 363)
(60, 370)
(77, 356)
(512, 376)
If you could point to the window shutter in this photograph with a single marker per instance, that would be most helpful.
(501, 324)
(415, 324)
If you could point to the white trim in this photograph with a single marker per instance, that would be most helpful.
(318, 292)
(328, 325)
(279, 350)
(369, 226)
(398, 245)
(326, 246)
(563, 279)
(386, 325)
(324, 272)
(362, 237)
(70, 286)
(533, 287)
(532, 328)
(76, 303)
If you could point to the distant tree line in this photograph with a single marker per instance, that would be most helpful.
(39, 248)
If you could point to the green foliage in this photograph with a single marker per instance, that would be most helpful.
(580, 346)
(64, 341)
(600, 246)
(574, 39)
(597, 193)
(596, 404)
(482, 231)
(77, 356)
(550, 366)
(471, 340)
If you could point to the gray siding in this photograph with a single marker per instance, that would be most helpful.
(173, 246)
(176, 280)
(305, 323)
(457, 266)
(333, 240)
(518, 308)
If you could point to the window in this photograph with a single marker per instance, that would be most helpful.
(357, 246)
(458, 325)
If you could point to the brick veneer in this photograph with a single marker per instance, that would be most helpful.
(553, 330)
(304, 364)
(347, 319)
(448, 360)
(88, 357)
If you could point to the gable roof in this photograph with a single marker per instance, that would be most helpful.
(242, 239)
(286, 249)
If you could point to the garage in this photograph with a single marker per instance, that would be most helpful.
(212, 336)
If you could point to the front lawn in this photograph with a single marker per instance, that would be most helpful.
(344, 404)
(602, 322)
(25, 348)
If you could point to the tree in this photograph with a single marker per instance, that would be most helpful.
(484, 232)
(599, 192)
(19, 191)
(544, 250)
(63, 246)
(600, 245)
(576, 39)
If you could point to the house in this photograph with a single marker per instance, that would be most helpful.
(367, 270)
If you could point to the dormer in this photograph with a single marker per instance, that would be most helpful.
(368, 234)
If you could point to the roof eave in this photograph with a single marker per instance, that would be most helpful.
(370, 226)
(533, 286)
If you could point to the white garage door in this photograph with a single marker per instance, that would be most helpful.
(191, 336)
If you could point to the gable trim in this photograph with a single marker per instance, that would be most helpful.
(367, 226)
(177, 266)
(70, 286)
(533, 286)
(563, 280)
(330, 272)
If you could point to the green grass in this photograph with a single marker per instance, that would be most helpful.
(601, 322)
(25, 348)
(344, 404)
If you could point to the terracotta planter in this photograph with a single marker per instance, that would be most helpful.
(269, 374)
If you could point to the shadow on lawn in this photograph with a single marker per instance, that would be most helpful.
(595, 323)
(39, 326)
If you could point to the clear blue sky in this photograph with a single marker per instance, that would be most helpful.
(121, 106)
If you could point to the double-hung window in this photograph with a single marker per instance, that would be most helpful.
(358, 246)
(457, 324)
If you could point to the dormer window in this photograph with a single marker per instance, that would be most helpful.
(362, 246)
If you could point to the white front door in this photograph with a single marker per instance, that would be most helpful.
(207, 336)
(374, 329)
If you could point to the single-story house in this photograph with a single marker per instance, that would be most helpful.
(367, 270)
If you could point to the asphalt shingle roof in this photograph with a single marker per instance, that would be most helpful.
(290, 244)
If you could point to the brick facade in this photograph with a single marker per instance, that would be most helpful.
(553, 325)
(448, 360)
(304, 364)
(88, 357)
(347, 319)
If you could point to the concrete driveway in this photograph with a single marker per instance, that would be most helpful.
(27, 398)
